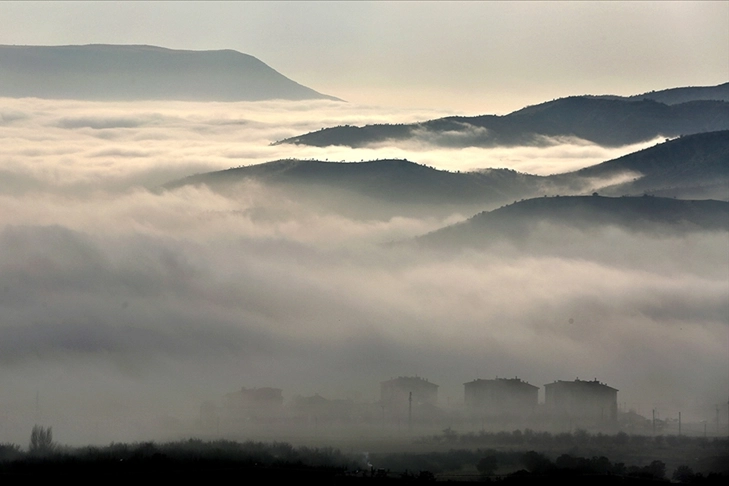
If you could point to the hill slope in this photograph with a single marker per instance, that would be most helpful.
(381, 188)
(396, 180)
(608, 121)
(690, 167)
(133, 72)
(645, 214)
(673, 96)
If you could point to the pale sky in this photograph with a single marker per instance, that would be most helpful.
(469, 57)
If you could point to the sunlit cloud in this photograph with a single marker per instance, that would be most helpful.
(128, 304)
(72, 144)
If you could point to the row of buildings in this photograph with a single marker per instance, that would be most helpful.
(414, 400)
(512, 398)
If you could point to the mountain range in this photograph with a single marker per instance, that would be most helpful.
(694, 166)
(689, 167)
(646, 214)
(378, 189)
(604, 120)
(140, 72)
(674, 96)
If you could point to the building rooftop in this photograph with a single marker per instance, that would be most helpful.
(504, 381)
(583, 383)
(409, 380)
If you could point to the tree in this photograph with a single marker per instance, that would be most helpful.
(683, 474)
(536, 463)
(488, 465)
(41, 440)
(657, 469)
(9, 452)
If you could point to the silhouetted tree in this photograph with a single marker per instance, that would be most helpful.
(41, 440)
(488, 465)
(683, 474)
(9, 452)
(536, 463)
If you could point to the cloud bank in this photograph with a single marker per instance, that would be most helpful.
(122, 306)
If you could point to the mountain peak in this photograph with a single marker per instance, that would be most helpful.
(142, 72)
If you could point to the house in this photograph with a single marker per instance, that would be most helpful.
(253, 404)
(397, 391)
(409, 398)
(500, 397)
(586, 401)
(315, 409)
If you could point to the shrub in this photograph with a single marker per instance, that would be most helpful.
(9, 452)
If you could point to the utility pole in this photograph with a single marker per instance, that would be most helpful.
(410, 411)
(654, 422)
(38, 418)
(679, 423)
(717, 420)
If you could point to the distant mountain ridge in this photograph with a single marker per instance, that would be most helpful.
(690, 167)
(604, 120)
(673, 96)
(392, 179)
(140, 72)
(376, 189)
(644, 214)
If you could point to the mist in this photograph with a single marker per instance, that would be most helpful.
(124, 308)
(63, 145)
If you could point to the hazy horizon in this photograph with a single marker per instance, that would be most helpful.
(465, 57)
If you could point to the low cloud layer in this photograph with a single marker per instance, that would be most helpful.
(121, 306)
(70, 146)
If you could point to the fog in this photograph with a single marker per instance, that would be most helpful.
(123, 309)
(70, 145)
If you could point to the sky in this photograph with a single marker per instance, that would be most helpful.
(465, 57)
(124, 307)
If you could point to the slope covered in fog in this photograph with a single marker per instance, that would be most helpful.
(527, 219)
(391, 186)
(124, 309)
(605, 121)
(695, 166)
(138, 72)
